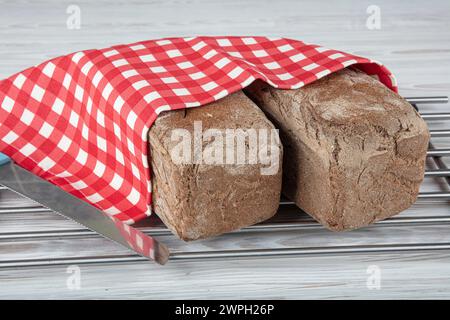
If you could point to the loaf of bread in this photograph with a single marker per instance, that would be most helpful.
(198, 199)
(354, 151)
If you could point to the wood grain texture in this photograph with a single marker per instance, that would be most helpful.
(413, 42)
(418, 275)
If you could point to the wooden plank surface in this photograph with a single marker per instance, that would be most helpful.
(413, 42)
(417, 275)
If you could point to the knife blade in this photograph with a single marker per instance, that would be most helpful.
(52, 197)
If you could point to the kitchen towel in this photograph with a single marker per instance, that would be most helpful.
(81, 120)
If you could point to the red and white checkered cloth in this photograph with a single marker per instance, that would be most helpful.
(81, 121)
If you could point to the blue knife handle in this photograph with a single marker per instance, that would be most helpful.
(4, 159)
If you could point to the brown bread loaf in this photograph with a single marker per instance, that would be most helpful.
(354, 151)
(199, 200)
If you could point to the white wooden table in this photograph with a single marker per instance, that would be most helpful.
(414, 42)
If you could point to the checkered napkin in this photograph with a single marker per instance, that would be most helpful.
(81, 121)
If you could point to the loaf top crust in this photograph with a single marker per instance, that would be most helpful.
(348, 104)
(346, 116)
(351, 97)
(235, 111)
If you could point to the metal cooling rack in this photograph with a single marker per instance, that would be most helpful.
(31, 235)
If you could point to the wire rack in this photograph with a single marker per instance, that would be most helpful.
(25, 225)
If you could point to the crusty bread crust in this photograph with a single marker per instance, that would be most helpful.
(354, 151)
(202, 200)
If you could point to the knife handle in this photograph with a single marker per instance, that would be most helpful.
(4, 159)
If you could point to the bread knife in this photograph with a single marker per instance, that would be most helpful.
(52, 197)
